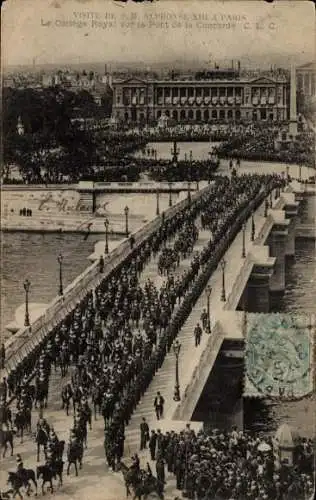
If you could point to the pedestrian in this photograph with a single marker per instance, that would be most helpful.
(152, 444)
(160, 469)
(2, 356)
(197, 334)
(204, 319)
(144, 434)
(159, 404)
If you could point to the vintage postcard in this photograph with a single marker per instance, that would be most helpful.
(158, 250)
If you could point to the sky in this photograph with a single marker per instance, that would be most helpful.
(78, 31)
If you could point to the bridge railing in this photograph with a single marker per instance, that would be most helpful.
(201, 372)
(239, 284)
(27, 338)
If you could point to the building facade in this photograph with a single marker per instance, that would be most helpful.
(306, 79)
(196, 100)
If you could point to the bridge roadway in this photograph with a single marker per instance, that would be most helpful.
(95, 479)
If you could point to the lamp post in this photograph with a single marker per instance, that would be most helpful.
(126, 210)
(157, 207)
(175, 152)
(197, 185)
(60, 262)
(282, 175)
(300, 173)
(271, 200)
(176, 350)
(223, 265)
(106, 225)
(287, 174)
(27, 285)
(208, 294)
(253, 227)
(266, 206)
(189, 192)
(243, 252)
(170, 194)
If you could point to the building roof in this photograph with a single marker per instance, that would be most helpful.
(310, 65)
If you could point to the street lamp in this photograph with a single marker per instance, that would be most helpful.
(197, 185)
(282, 175)
(189, 192)
(287, 174)
(60, 262)
(176, 350)
(27, 285)
(243, 253)
(300, 173)
(253, 227)
(157, 207)
(223, 265)
(126, 210)
(208, 294)
(170, 194)
(271, 200)
(266, 206)
(106, 225)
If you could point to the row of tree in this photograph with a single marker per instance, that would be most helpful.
(51, 144)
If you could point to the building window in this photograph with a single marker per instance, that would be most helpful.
(237, 114)
(271, 117)
(126, 116)
(175, 114)
(118, 99)
(206, 115)
(230, 114)
(263, 114)
(222, 114)
(141, 117)
(198, 115)
(182, 114)
(190, 114)
(190, 92)
(182, 92)
(167, 112)
(214, 114)
(158, 114)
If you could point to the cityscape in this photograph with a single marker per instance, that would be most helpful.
(158, 319)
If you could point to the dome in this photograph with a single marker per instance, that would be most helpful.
(286, 437)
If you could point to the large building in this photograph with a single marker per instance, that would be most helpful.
(306, 79)
(216, 95)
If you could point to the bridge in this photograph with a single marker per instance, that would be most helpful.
(250, 277)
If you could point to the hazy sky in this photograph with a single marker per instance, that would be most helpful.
(50, 30)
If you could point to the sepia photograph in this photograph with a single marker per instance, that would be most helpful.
(158, 257)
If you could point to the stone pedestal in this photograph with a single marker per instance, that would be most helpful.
(258, 290)
(277, 243)
(291, 212)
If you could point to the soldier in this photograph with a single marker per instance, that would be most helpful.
(197, 334)
(144, 434)
(152, 444)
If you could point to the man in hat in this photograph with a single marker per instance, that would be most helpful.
(144, 434)
(159, 404)
(152, 444)
(20, 466)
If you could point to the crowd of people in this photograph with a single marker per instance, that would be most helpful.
(232, 465)
(117, 337)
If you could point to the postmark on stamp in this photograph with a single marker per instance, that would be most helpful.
(279, 357)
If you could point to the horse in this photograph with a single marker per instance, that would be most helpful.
(41, 440)
(64, 359)
(23, 421)
(49, 472)
(96, 399)
(5, 438)
(5, 416)
(41, 394)
(141, 485)
(74, 455)
(66, 395)
(23, 478)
